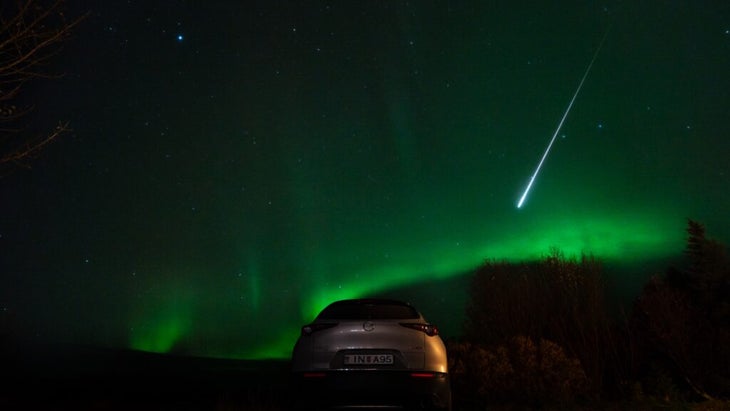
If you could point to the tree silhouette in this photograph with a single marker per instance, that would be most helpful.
(32, 33)
(683, 319)
(557, 299)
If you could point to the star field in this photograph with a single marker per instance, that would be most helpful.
(234, 166)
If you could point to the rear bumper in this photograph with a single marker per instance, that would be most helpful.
(340, 389)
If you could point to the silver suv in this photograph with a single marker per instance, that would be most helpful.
(370, 352)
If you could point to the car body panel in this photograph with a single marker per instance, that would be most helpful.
(397, 357)
(328, 347)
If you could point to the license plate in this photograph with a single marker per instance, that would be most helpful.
(369, 359)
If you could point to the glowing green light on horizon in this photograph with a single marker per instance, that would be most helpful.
(610, 238)
(160, 325)
(619, 237)
(277, 348)
(160, 336)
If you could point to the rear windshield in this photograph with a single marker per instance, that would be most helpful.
(347, 311)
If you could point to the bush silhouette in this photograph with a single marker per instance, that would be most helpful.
(558, 300)
(539, 333)
(522, 370)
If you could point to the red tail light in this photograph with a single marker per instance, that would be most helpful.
(313, 328)
(422, 375)
(314, 375)
(428, 329)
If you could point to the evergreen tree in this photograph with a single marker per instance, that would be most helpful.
(683, 319)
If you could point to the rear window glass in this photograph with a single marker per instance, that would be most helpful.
(368, 311)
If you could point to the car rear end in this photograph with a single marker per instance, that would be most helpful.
(381, 353)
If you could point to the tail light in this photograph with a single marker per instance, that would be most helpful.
(313, 328)
(428, 329)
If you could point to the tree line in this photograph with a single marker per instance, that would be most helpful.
(543, 333)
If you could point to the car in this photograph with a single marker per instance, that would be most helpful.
(370, 352)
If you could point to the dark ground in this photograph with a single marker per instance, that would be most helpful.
(71, 377)
(44, 377)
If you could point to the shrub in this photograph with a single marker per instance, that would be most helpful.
(522, 370)
(556, 299)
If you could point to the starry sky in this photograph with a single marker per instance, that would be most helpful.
(234, 166)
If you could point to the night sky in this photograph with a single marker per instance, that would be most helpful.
(236, 165)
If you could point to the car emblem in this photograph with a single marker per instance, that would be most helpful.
(368, 326)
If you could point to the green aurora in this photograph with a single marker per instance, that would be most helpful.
(219, 188)
(641, 238)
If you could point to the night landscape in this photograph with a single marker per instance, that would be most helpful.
(184, 184)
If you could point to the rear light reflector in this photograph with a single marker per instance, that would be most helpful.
(429, 329)
(314, 375)
(312, 328)
(422, 375)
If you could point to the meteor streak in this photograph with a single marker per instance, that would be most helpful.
(562, 120)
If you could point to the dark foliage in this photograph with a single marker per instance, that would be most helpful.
(557, 301)
(522, 370)
(540, 333)
(682, 323)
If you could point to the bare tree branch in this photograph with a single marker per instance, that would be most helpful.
(32, 33)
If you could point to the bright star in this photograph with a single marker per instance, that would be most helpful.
(179, 37)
